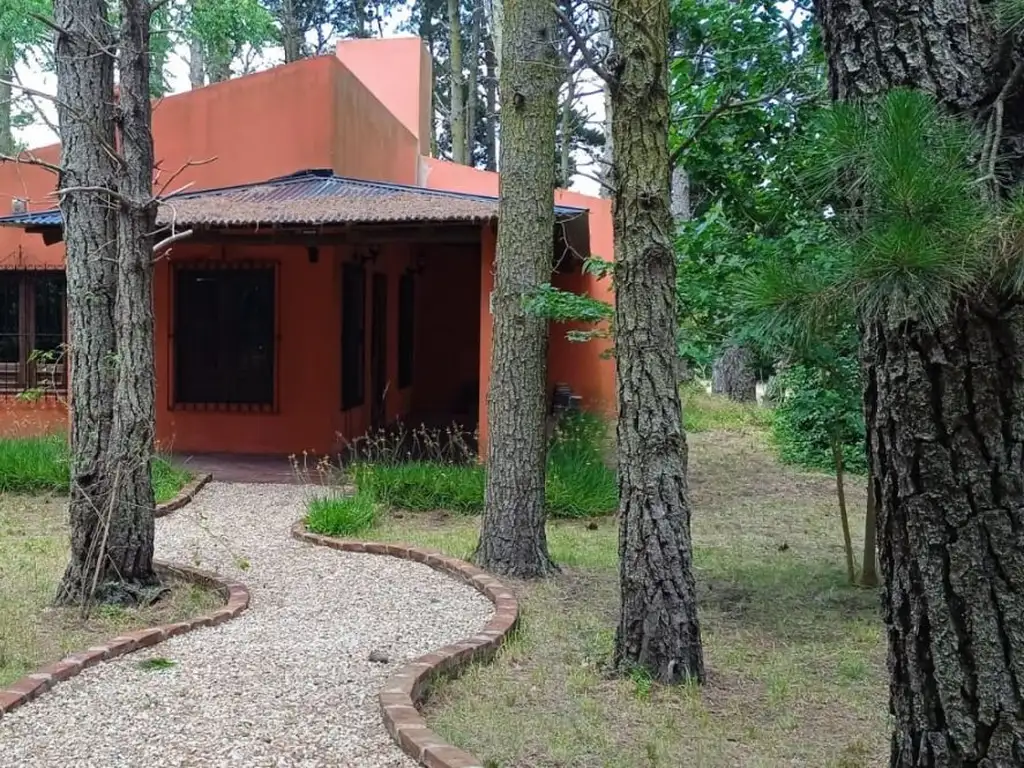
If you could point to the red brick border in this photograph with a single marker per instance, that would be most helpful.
(236, 599)
(185, 495)
(409, 686)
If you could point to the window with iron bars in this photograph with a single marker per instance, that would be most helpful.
(33, 324)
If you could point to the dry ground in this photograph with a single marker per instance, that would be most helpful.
(796, 657)
(34, 549)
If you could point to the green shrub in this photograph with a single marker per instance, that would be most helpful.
(338, 515)
(579, 482)
(810, 408)
(38, 464)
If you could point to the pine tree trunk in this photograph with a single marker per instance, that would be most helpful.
(658, 626)
(869, 569)
(566, 131)
(85, 111)
(945, 417)
(944, 410)
(605, 169)
(732, 375)
(130, 533)
(491, 90)
(6, 106)
(457, 84)
(473, 82)
(513, 540)
(196, 63)
(291, 32)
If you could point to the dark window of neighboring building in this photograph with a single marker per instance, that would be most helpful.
(406, 329)
(225, 335)
(353, 336)
(33, 307)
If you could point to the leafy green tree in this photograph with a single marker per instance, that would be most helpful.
(744, 79)
(221, 29)
(20, 33)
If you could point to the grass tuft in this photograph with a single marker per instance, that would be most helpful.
(579, 481)
(42, 464)
(34, 464)
(338, 515)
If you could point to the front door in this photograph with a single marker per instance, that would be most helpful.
(379, 352)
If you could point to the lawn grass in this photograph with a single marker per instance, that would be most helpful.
(703, 412)
(34, 550)
(795, 656)
(40, 464)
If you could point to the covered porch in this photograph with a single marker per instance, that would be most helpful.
(302, 313)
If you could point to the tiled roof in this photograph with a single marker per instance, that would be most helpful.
(310, 198)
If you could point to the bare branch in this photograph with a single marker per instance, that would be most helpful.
(177, 173)
(170, 240)
(581, 45)
(27, 158)
(38, 109)
(48, 22)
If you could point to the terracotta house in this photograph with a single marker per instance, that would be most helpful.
(337, 277)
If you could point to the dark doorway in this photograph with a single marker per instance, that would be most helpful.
(379, 352)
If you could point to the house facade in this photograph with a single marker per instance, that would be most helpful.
(336, 278)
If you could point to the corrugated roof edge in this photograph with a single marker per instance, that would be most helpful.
(52, 217)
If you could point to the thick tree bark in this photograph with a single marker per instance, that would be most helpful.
(456, 84)
(6, 105)
(85, 111)
(945, 417)
(944, 409)
(130, 530)
(658, 626)
(513, 540)
(732, 375)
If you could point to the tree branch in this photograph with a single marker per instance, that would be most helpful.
(31, 159)
(728, 106)
(170, 240)
(177, 173)
(581, 45)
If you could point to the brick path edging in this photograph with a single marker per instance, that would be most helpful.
(185, 495)
(236, 597)
(408, 687)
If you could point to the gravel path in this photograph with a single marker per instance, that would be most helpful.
(288, 683)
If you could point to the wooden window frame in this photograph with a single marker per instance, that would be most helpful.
(27, 374)
(174, 404)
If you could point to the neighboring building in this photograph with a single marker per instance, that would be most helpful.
(337, 277)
